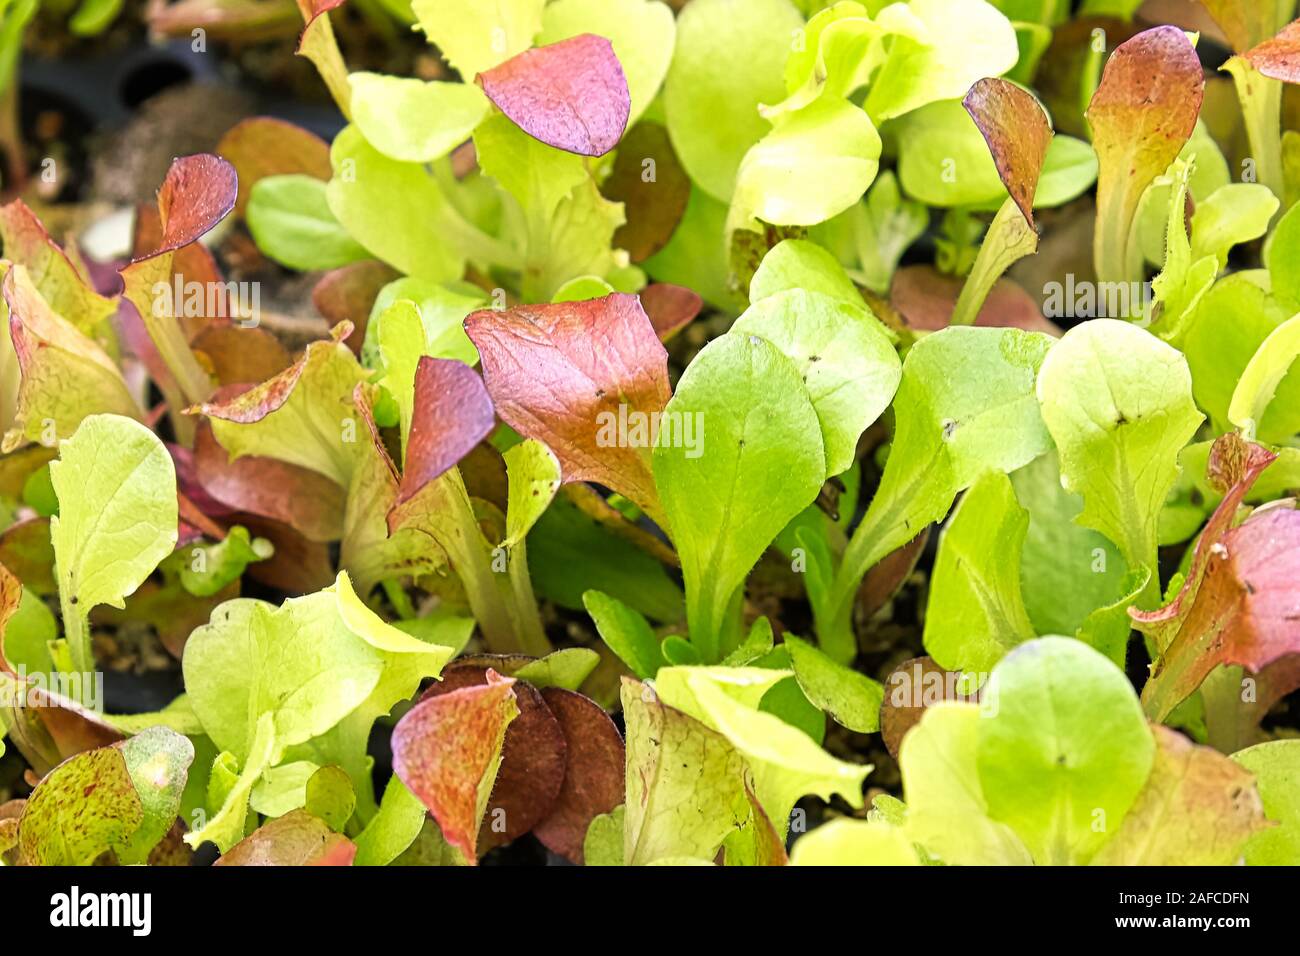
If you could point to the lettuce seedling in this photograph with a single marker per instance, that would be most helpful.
(1264, 62)
(1019, 135)
(631, 317)
(1233, 594)
(985, 783)
(1143, 112)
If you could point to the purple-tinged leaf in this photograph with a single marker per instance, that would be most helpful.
(571, 95)
(567, 374)
(1017, 132)
(452, 414)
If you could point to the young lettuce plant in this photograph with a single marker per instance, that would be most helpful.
(1143, 112)
(1019, 136)
(502, 746)
(1057, 766)
(1266, 59)
(965, 405)
(709, 772)
(533, 214)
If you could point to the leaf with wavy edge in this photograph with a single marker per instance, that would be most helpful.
(1238, 604)
(64, 374)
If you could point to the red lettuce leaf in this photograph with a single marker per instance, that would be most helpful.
(571, 95)
(556, 372)
(1239, 602)
(452, 414)
(446, 747)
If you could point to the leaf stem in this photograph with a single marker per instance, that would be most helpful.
(1261, 107)
(1009, 239)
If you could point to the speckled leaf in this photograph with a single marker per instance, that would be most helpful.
(296, 839)
(447, 750)
(85, 806)
(158, 760)
(1018, 132)
(1279, 57)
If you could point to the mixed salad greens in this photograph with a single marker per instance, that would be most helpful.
(665, 338)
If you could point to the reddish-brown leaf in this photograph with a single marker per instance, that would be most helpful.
(197, 193)
(298, 497)
(452, 414)
(262, 146)
(532, 756)
(670, 307)
(1017, 132)
(911, 687)
(885, 578)
(1279, 57)
(560, 372)
(1245, 610)
(298, 566)
(240, 356)
(1239, 603)
(1141, 116)
(444, 748)
(348, 293)
(653, 187)
(296, 839)
(571, 95)
(593, 777)
(48, 728)
(925, 298)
